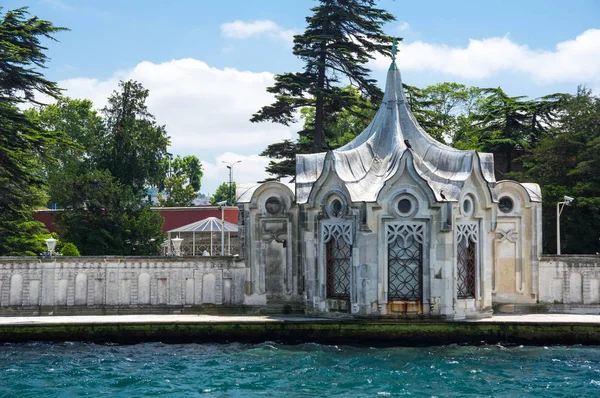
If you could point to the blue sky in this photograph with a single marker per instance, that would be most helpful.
(207, 63)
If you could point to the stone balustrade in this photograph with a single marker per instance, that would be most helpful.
(97, 284)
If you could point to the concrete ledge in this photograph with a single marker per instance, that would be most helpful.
(539, 330)
(546, 308)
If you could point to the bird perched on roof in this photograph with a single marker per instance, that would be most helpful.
(442, 195)
(407, 144)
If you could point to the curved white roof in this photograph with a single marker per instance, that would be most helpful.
(210, 224)
(366, 163)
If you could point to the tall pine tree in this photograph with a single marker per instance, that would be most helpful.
(133, 147)
(22, 142)
(341, 37)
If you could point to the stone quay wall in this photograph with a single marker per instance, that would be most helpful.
(570, 279)
(102, 285)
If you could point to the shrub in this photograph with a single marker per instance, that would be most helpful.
(69, 249)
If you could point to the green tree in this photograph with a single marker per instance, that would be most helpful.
(341, 127)
(341, 37)
(178, 192)
(511, 126)
(566, 161)
(133, 147)
(142, 233)
(182, 182)
(451, 106)
(284, 154)
(23, 144)
(79, 122)
(69, 249)
(222, 194)
(104, 216)
(422, 108)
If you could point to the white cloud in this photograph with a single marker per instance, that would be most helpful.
(403, 27)
(573, 61)
(244, 30)
(206, 111)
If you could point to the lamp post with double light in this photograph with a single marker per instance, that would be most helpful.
(230, 167)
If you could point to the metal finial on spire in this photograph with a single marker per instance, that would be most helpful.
(394, 52)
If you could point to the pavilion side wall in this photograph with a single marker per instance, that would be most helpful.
(570, 279)
(111, 285)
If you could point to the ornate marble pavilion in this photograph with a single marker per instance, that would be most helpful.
(392, 224)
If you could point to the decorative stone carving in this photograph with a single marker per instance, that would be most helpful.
(405, 231)
(337, 231)
(466, 231)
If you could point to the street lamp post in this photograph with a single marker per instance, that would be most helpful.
(230, 167)
(559, 209)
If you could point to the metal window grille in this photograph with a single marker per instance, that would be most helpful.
(405, 265)
(339, 254)
(466, 263)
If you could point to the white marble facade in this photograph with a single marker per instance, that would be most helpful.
(393, 224)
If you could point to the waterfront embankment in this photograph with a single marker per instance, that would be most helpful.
(534, 329)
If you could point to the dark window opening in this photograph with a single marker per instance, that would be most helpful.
(505, 204)
(466, 264)
(404, 206)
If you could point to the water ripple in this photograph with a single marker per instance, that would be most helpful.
(271, 369)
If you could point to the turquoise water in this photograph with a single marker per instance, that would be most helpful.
(269, 369)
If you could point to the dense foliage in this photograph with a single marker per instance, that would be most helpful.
(222, 194)
(182, 181)
(23, 144)
(566, 161)
(132, 146)
(104, 208)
